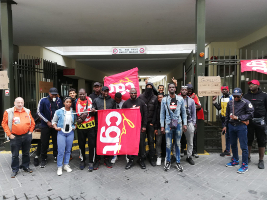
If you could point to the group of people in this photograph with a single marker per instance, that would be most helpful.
(174, 115)
(243, 117)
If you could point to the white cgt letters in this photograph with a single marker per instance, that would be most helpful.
(122, 88)
(106, 138)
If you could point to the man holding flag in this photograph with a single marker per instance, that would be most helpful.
(134, 103)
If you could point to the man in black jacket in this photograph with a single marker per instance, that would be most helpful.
(257, 125)
(151, 101)
(135, 102)
(103, 102)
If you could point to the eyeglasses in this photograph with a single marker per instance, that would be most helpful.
(236, 97)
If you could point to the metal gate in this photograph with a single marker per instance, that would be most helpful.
(28, 72)
(227, 66)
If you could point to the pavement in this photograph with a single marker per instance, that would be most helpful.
(208, 179)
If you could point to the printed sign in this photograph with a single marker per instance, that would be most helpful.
(44, 87)
(118, 132)
(259, 65)
(209, 86)
(6, 93)
(122, 83)
(129, 50)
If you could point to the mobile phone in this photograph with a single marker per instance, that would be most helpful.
(223, 132)
(67, 127)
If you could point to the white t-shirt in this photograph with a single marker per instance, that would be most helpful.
(68, 119)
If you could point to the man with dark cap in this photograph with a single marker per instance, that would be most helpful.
(103, 102)
(257, 124)
(97, 91)
(200, 115)
(46, 109)
(238, 112)
(151, 101)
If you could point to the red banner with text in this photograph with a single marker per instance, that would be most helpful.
(122, 83)
(259, 65)
(118, 132)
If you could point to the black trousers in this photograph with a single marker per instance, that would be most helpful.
(150, 137)
(183, 141)
(45, 137)
(142, 151)
(82, 135)
(23, 142)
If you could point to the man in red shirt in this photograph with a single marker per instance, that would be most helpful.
(18, 125)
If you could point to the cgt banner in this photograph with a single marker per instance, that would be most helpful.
(259, 65)
(118, 132)
(122, 83)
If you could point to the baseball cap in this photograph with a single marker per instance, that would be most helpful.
(237, 92)
(105, 88)
(97, 84)
(255, 82)
(53, 90)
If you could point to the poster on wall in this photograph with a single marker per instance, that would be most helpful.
(44, 87)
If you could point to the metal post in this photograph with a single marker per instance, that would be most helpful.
(200, 64)
(7, 50)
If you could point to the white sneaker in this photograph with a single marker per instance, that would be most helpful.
(59, 171)
(67, 168)
(158, 161)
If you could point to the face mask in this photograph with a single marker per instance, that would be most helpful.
(54, 99)
(149, 90)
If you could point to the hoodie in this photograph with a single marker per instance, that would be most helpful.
(151, 101)
(259, 102)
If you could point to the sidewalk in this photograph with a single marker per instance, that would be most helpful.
(208, 179)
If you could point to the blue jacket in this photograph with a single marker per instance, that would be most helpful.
(165, 111)
(45, 110)
(59, 118)
(243, 109)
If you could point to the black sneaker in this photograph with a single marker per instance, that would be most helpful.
(14, 174)
(107, 163)
(249, 159)
(82, 165)
(190, 160)
(261, 164)
(225, 153)
(55, 159)
(129, 164)
(29, 170)
(141, 163)
(91, 167)
(43, 163)
(179, 167)
(152, 162)
(96, 164)
(36, 162)
(167, 166)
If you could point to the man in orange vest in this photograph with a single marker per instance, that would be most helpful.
(18, 125)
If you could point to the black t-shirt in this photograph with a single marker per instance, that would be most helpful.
(135, 104)
(173, 104)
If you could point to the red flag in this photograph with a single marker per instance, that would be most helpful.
(259, 65)
(122, 83)
(118, 131)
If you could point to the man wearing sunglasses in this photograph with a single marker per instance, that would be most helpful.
(134, 102)
(238, 112)
(257, 125)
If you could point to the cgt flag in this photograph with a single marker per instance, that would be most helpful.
(122, 83)
(259, 65)
(118, 132)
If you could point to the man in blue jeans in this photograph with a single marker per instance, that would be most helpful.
(171, 108)
(238, 112)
